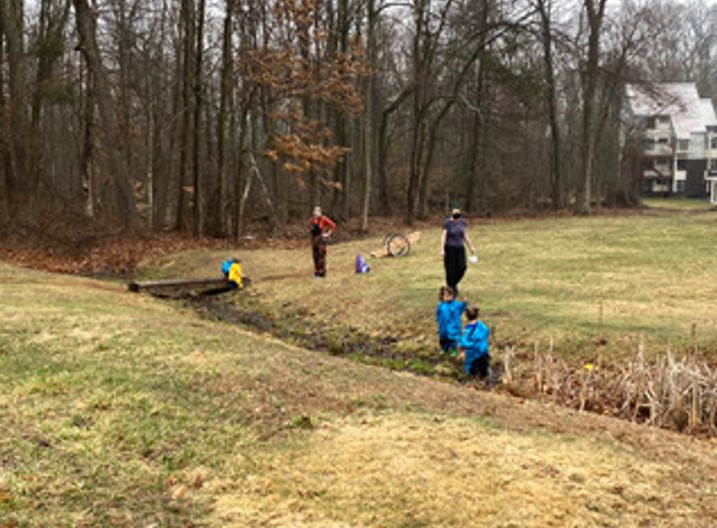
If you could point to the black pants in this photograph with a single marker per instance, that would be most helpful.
(318, 252)
(454, 261)
(480, 366)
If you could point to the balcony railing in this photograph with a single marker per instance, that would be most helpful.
(659, 150)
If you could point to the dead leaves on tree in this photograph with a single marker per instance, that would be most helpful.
(302, 75)
(303, 153)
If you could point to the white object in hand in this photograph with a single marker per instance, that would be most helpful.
(473, 259)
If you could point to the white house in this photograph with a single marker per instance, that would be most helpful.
(680, 133)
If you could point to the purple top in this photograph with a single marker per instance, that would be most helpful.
(455, 232)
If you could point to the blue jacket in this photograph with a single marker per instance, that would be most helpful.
(226, 265)
(448, 317)
(474, 342)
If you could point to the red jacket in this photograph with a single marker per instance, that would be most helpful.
(321, 224)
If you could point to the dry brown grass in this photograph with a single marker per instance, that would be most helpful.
(432, 470)
(672, 393)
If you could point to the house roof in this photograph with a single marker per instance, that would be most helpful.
(708, 112)
(680, 101)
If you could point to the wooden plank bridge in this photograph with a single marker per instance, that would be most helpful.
(176, 288)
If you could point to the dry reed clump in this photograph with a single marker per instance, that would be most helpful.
(668, 393)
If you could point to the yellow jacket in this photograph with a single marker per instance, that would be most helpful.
(235, 274)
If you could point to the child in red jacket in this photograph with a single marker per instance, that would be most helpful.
(320, 227)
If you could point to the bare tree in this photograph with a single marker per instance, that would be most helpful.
(120, 202)
(203, 117)
(368, 139)
(595, 14)
(544, 10)
(20, 183)
(226, 110)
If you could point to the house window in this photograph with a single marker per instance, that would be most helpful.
(713, 165)
(682, 165)
(683, 144)
(663, 141)
(680, 186)
(651, 122)
(649, 144)
(713, 142)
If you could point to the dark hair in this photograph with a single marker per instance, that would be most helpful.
(444, 290)
(472, 313)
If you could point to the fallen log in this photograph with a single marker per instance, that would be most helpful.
(183, 287)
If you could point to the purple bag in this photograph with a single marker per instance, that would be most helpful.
(361, 265)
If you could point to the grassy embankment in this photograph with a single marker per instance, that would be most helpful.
(122, 410)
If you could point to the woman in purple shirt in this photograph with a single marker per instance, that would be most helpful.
(453, 251)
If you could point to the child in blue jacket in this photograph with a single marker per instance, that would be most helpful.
(448, 317)
(474, 342)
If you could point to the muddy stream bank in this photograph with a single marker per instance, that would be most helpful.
(624, 391)
(298, 328)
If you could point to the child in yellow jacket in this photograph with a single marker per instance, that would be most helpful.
(232, 271)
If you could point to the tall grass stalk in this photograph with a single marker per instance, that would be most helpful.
(671, 393)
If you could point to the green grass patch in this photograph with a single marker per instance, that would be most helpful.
(97, 417)
(680, 204)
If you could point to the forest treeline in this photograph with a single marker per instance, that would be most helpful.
(204, 116)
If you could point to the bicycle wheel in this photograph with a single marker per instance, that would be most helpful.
(398, 246)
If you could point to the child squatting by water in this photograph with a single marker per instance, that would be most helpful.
(474, 343)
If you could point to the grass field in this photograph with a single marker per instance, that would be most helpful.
(590, 286)
(122, 410)
(684, 204)
(118, 409)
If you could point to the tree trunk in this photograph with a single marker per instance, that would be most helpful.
(5, 150)
(308, 106)
(197, 94)
(368, 125)
(473, 172)
(188, 193)
(595, 14)
(556, 184)
(123, 207)
(19, 183)
(51, 30)
(226, 108)
(418, 128)
(174, 188)
(384, 146)
(428, 159)
(89, 176)
(343, 132)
